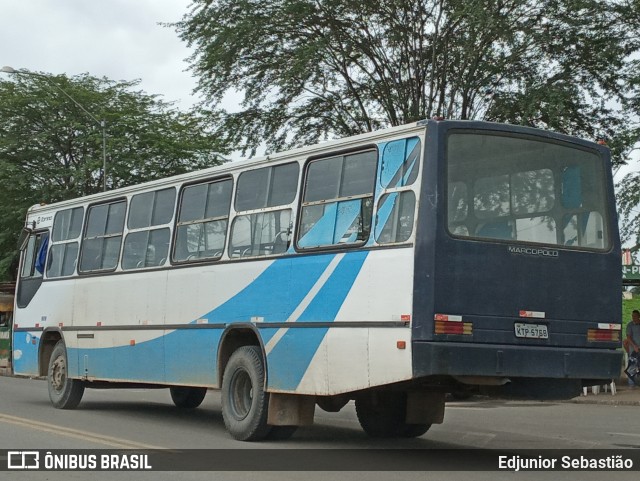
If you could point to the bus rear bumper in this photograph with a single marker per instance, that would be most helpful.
(463, 359)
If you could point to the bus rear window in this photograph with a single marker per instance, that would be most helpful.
(522, 189)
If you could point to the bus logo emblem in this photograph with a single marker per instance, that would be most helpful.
(531, 251)
(23, 460)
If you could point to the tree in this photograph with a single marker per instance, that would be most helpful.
(50, 150)
(628, 196)
(312, 69)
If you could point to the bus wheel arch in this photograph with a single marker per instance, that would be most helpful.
(50, 337)
(248, 409)
(233, 338)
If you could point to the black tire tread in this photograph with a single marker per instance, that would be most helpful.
(383, 414)
(187, 397)
(70, 395)
(281, 433)
(254, 426)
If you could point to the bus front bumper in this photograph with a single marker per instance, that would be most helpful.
(463, 359)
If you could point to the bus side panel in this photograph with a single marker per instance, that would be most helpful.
(191, 356)
(138, 345)
(118, 329)
(50, 307)
(351, 359)
(340, 356)
(25, 352)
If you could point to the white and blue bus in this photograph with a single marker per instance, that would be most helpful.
(388, 268)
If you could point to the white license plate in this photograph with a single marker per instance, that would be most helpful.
(531, 331)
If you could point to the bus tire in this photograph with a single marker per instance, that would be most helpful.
(245, 402)
(281, 433)
(382, 415)
(187, 397)
(414, 430)
(64, 393)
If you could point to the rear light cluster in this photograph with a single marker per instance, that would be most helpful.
(448, 324)
(603, 335)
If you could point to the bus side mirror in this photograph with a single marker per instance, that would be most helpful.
(24, 238)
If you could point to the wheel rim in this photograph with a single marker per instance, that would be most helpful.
(58, 373)
(241, 394)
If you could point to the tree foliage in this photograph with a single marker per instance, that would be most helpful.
(50, 150)
(629, 188)
(312, 69)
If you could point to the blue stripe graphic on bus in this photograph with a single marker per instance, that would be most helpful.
(291, 357)
(275, 293)
(140, 362)
(184, 356)
(190, 355)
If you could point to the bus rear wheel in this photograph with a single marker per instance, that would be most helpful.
(245, 402)
(187, 397)
(64, 393)
(383, 414)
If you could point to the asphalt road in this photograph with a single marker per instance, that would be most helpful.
(146, 419)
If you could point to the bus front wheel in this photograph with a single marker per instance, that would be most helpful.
(65, 393)
(245, 402)
(187, 397)
(382, 415)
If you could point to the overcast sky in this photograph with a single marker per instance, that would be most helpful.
(118, 39)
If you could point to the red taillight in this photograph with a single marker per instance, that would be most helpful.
(603, 335)
(448, 324)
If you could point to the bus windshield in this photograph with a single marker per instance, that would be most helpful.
(524, 189)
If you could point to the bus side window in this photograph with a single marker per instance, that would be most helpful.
(338, 200)
(260, 234)
(103, 237)
(202, 221)
(400, 163)
(63, 255)
(394, 221)
(143, 246)
(266, 232)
